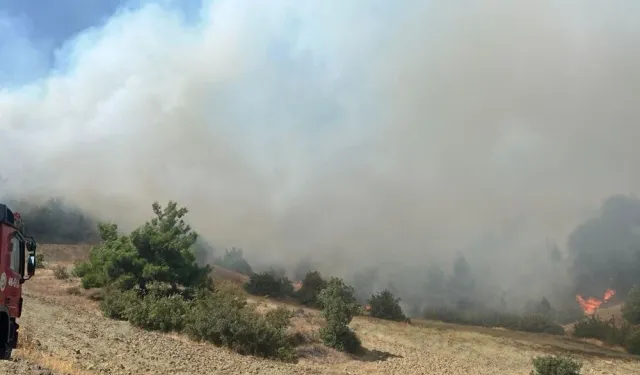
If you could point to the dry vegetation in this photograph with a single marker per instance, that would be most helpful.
(63, 332)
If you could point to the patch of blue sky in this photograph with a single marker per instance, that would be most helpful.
(37, 36)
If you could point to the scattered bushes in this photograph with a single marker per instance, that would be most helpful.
(268, 284)
(338, 308)
(490, 318)
(385, 305)
(150, 278)
(606, 331)
(227, 320)
(550, 365)
(60, 272)
(160, 313)
(603, 330)
(219, 317)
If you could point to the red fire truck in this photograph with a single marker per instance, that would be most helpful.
(17, 265)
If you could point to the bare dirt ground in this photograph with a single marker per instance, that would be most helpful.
(63, 333)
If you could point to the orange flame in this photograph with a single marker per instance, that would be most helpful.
(608, 294)
(590, 305)
(297, 285)
(367, 307)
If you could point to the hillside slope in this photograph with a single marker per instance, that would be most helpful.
(66, 334)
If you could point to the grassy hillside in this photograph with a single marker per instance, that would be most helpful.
(65, 332)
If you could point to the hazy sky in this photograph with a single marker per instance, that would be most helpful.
(354, 128)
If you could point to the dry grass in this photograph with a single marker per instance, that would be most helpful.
(30, 348)
(54, 363)
(64, 254)
(220, 273)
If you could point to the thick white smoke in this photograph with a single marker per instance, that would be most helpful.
(345, 129)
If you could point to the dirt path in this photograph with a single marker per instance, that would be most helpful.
(67, 334)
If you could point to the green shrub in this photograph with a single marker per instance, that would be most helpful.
(632, 342)
(550, 365)
(384, 305)
(279, 318)
(604, 330)
(116, 304)
(631, 307)
(340, 338)
(226, 320)
(267, 284)
(312, 284)
(160, 313)
(60, 272)
(338, 308)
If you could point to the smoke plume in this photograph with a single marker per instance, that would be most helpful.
(355, 133)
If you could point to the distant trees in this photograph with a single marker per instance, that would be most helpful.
(462, 282)
(234, 260)
(56, 222)
(269, 284)
(542, 307)
(606, 249)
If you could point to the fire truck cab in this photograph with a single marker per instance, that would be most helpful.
(17, 265)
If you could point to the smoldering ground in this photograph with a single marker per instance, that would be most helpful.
(355, 133)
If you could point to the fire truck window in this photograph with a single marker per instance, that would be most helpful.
(14, 247)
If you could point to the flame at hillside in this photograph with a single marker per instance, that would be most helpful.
(591, 305)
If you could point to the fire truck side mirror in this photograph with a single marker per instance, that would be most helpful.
(31, 247)
(31, 262)
(31, 265)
